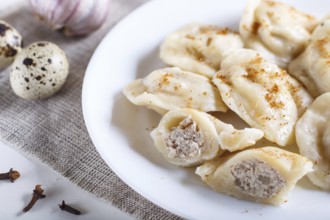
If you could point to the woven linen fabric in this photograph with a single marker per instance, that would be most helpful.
(53, 130)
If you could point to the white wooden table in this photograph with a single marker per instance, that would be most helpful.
(15, 196)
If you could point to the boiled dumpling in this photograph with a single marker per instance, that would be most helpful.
(262, 94)
(275, 29)
(188, 137)
(172, 88)
(265, 175)
(199, 48)
(312, 67)
(313, 139)
(232, 139)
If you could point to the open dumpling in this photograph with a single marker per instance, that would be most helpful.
(199, 48)
(275, 29)
(262, 94)
(313, 139)
(265, 175)
(233, 139)
(312, 67)
(172, 88)
(188, 137)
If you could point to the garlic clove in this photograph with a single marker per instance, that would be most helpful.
(76, 17)
(54, 12)
(62, 12)
(88, 17)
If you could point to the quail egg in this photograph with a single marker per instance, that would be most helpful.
(39, 71)
(10, 44)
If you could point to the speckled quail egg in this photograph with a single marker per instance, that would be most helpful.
(39, 71)
(10, 44)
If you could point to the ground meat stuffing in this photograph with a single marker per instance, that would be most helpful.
(257, 179)
(185, 140)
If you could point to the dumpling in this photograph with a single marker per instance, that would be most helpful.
(199, 48)
(188, 137)
(313, 139)
(275, 29)
(232, 139)
(265, 175)
(262, 94)
(312, 67)
(172, 88)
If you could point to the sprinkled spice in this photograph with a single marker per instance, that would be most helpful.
(255, 27)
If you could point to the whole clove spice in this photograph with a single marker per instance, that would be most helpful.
(37, 194)
(12, 175)
(69, 209)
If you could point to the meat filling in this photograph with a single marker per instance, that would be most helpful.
(257, 179)
(185, 140)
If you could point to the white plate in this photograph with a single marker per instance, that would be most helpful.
(120, 131)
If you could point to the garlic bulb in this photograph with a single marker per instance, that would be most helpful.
(76, 17)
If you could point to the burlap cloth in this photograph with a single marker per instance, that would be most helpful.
(53, 130)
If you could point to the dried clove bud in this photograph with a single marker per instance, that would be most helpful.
(12, 175)
(37, 194)
(69, 209)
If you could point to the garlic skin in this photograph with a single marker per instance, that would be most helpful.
(75, 17)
